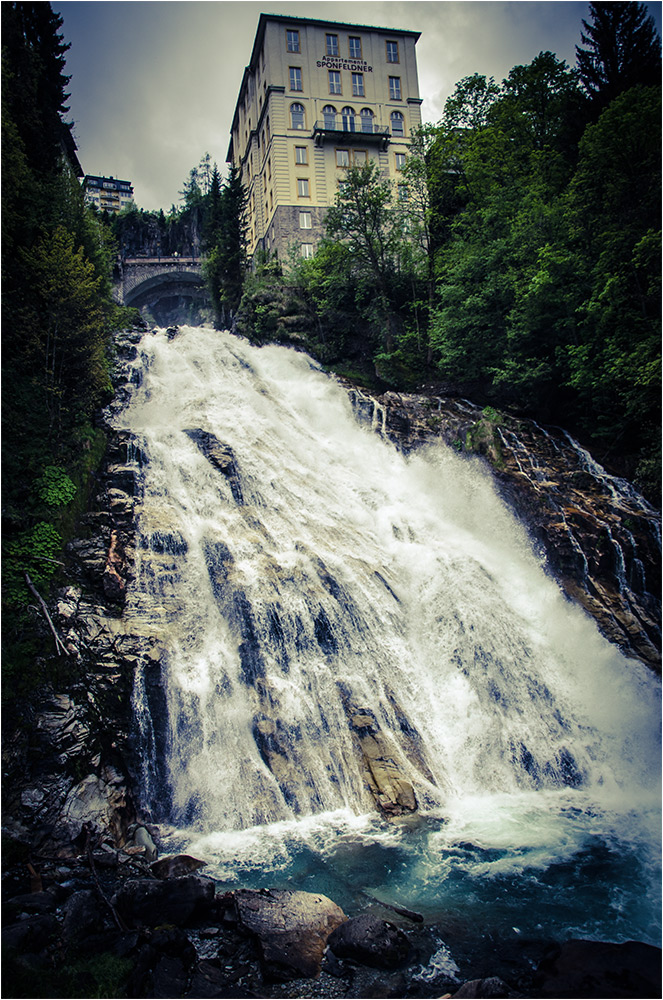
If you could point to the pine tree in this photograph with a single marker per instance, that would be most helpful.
(622, 50)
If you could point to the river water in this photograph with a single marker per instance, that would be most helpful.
(320, 573)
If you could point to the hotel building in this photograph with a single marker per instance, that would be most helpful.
(317, 97)
(107, 193)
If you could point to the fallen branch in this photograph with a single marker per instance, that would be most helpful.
(401, 910)
(59, 645)
(88, 848)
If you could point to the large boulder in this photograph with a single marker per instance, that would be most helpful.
(82, 916)
(291, 928)
(150, 902)
(580, 968)
(371, 941)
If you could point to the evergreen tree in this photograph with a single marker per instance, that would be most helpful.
(621, 50)
(225, 265)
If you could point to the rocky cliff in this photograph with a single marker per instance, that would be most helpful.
(597, 536)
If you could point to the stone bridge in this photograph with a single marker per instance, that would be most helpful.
(169, 289)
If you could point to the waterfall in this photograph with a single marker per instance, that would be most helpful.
(349, 632)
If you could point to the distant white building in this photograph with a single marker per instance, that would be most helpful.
(107, 193)
(316, 98)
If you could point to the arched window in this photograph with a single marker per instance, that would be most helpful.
(329, 116)
(366, 116)
(397, 123)
(348, 119)
(297, 115)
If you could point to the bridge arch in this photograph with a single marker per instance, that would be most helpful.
(166, 290)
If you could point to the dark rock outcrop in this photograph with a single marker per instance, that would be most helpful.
(147, 902)
(493, 986)
(600, 539)
(600, 969)
(221, 456)
(392, 791)
(371, 941)
(68, 764)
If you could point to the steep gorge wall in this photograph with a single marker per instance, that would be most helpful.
(598, 537)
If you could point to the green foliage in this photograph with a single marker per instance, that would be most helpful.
(102, 975)
(35, 552)
(55, 487)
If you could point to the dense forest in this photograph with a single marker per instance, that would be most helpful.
(517, 262)
(57, 319)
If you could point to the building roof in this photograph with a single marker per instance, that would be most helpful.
(285, 19)
(96, 181)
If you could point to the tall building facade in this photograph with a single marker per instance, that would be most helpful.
(316, 98)
(107, 193)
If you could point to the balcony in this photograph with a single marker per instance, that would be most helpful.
(350, 130)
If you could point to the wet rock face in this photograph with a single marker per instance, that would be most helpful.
(599, 537)
(221, 456)
(393, 793)
(69, 767)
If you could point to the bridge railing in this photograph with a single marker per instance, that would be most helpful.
(161, 260)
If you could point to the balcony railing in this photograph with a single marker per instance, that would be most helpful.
(343, 128)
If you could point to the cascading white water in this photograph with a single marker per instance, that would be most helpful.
(298, 572)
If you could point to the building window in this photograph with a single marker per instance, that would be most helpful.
(348, 119)
(297, 115)
(394, 88)
(329, 116)
(295, 78)
(332, 45)
(366, 116)
(355, 47)
(307, 250)
(357, 84)
(292, 40)
(305, 220)
(359, 157)
(392, 52)
(397, 123)
(301, 154)
(342, 158)
(400, 161)
(334, 82)
(303, 189)
(402, 192)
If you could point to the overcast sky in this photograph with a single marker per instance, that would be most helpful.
(154, 84)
